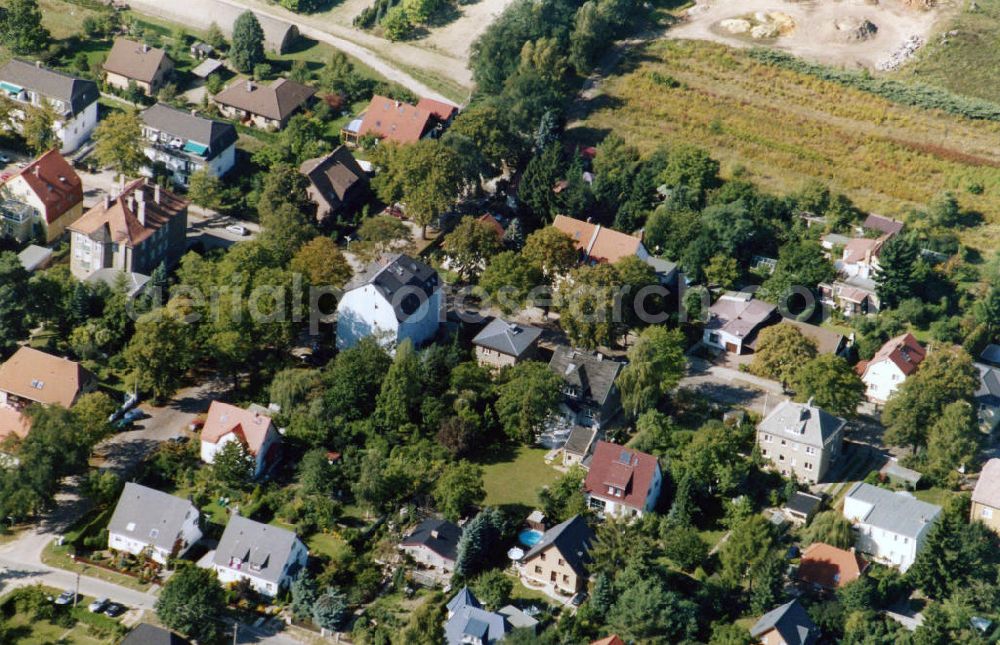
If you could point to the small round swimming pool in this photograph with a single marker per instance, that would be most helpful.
(529, 537)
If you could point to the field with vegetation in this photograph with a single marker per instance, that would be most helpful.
(963, 57)
(781, 126)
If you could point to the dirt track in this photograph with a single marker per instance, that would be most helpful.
(815, 35)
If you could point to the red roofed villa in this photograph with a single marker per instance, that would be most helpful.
(251, 427)
(443, 112)
(890, 366)
(597, 243)
(622, 482)
(391, 120)
(828, 568)
(47, 193)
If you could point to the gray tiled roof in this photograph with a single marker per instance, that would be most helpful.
(77, 93)
(591, 374)
(991, 354)
(572, 538)
(806, 423)
(579, 441)
(791, 621)
(146, 634)
(391, 274)
(467, 619)
(803, 503)
(440, 536)
(217, 135)
(262, 549)
(512, 339)
(897, 512)
(150, 516)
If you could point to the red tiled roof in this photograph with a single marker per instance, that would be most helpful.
(596, 242)
(121, 216)
(492, 221)
(438, 109)
(13, 422)
(54, 182)
(623, 468)
(248, 425)
(903, 350)
(830, 567)
(394, 120)
(614, 639)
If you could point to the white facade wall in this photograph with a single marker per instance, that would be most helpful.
(364, 312)
(190, 533)
(617, 508)
(73, 132)
(298, 556)
(209, 449)
(882, 379)
(885, 546)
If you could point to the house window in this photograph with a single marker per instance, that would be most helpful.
(538, 569)
(781, 457)
(565, 578)
(987, 513)
(541, 556)
(810, 450)
(561, 562)
(808, 466)
(784, 443)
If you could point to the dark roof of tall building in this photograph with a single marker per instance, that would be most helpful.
(146, 634)
(334, 175)
(512, 339)
(440, 536)
(402, 281)
(791, 621)
(572, 538)
(133, 216)
(590, 373)
(77, 93)
(215, 135)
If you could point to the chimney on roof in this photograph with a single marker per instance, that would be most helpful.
(38, 64)
(249, 86)
(435, 534)
(34, 169)
(156, 193)
(145, 48)
(194, 112)
(107, 201)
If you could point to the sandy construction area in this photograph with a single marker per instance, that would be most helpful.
(827, 31)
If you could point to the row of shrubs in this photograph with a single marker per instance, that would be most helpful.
(912, 94)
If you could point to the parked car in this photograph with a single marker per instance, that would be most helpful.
(197, 424)
(4, 158)
(578, 599)
(114, 610)
(130, 417)
(98, 605)
(237, 229)
(66, 597)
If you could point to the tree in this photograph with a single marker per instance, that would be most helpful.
(945, 376)
(397, 405)
(458, 488)
(233, 465)
(528, 395)
(682, 508)
(897, 273)
(396, 24)
(118, 143)
(684, 546)
(493, 588)
(615, 167)
(22, 30)
(330, 609)
(38, 128)
(316, 474)
(91, 412)
(488, 126)
(781, 351)
(722, 271)
(537, 182)
(160, 352)
(508, 281)
(14, 301)
(479, 539)
(304, 595)
(801, 263)
(322, 263)
(248, 43)
(588, 38)
(692, 168)
(832, 385)
(749, 544)
(206, 190)
(726, 633)
(655, 365)
(589, 305)
(648, 612)
(191, 602)
(768, 577)
(830, 527)
(470, 246)
(563, 498)
(215, 37)
(952, 442)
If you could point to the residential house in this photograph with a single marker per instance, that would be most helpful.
(614, 639)
(501, 343)
(899, 475)
(440, 111)
(801, 439)
(827, 568)
(891, 527)
(734, 319)
(559, 560)
(34, 257)
(854, 296)
(826, 340)
(518, 619)
(986, 496)
(883, 225)
(860, 257)
(73, 100)
(14, 428)
(590, 394)
(396, 298)
(41, 199)
(788, 624)
(149, 521)
(337, 184)
(467, 623)
(143, 227)
(991, 355)
(433, 544)
(32, 376)
(133, 62)
(252, 427)
(390, 120)
(185, 143)
(987, 397)
(263, 106)
(622, 482)
(576, 450)
(896, 360)
(801, 507)
(270, 558)
(146, 634)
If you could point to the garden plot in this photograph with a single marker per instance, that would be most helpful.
(875, 34)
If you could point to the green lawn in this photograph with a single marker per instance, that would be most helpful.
(939, 496)
(25, 630)
(58, 556)
(517, 479)
(520, 592)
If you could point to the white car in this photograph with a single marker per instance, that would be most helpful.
(237, 229)
(4, 158)
(98, 605)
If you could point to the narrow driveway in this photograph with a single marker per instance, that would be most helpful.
(731, 387)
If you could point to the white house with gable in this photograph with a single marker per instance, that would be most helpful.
(891, 365)
(891, 526)
(396, 298)
(151, 521)
(251, 427)
(267, 556)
